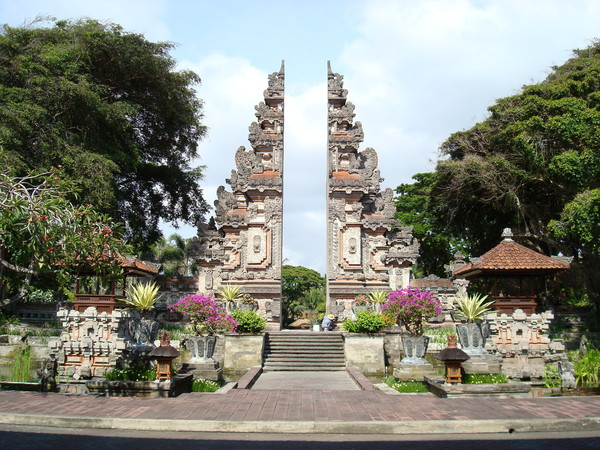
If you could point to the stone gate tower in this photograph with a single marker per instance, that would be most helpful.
(367, 249)
(242, 245)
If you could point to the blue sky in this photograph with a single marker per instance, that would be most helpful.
(417, 71)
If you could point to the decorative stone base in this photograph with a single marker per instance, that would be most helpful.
(482, 364)
(208, 370)
(439, 388)
(148, 389)
(416, 372)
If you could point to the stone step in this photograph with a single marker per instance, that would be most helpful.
(304, 351)
(325, 348)
(308, 358)
(311, 342)
(302, 369)
(305, 366)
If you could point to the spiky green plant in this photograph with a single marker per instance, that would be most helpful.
(472, 308)
(378, 296)
(230, 293)
(142, 296)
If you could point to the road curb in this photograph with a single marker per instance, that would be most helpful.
(310, 427)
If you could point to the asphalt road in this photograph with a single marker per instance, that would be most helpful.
(20, 437)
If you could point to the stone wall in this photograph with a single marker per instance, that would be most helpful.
(242, 351)
(366, 352)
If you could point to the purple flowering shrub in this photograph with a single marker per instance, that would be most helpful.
(205, 314)
(413, 306)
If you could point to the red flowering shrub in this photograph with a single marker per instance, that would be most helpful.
(205, 314)
(413, 306)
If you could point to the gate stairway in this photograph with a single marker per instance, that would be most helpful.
(304, 351)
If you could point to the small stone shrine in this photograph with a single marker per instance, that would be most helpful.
(367, 249)
(242, 245)
(514, 276)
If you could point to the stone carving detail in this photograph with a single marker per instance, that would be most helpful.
(523, 343)
(91, 342)
(244, 246)
(367, 248)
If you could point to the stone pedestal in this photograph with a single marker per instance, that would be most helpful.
(416, 372)
(209, 370)
(482, 364)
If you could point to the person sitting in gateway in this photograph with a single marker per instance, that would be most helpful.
(328, 322)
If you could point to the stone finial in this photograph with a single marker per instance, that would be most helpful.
(507, 234)
(165, 338)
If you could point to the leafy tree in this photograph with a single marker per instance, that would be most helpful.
(535, 152)
(44, 238)
(296, 281)
(110, 108)
(413, 208)
(174, 254)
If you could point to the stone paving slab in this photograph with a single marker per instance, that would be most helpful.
(307, 381)
(303, 411)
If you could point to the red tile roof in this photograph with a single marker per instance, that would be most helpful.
(510, 256)
(135, 264)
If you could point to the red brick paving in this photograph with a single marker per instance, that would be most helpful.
(321, 406)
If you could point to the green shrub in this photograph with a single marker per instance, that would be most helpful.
(21, 370)
(406, 387)
(248, 321)
(176, 330)
(484, 378)
(552, 378)
(202, 385)
(366, 322)
(438, 335)
(133, 373)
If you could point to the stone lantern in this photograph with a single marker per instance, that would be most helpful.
(164, 355)
(452, 357)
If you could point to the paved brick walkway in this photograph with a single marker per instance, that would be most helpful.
(295, 405)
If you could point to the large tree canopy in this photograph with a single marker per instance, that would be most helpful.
(47, 241)
(536, 154)
(109, 107)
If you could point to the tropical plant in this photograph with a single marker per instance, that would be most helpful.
(586, 368)
(472, 307)
(230, 293)
(412, 306)
(21, 367)
(552, 378)
(378, 296)
(206, 316)
(142, 296)
(248, 321)
(175, 255)
(366, 322)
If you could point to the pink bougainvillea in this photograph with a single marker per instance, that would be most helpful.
(412, 306)
(205, 314)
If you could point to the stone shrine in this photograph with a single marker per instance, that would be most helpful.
(242, 245)
(367, 248)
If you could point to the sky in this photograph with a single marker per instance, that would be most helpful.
(416, 70)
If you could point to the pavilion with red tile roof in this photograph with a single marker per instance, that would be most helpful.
(513, 274)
